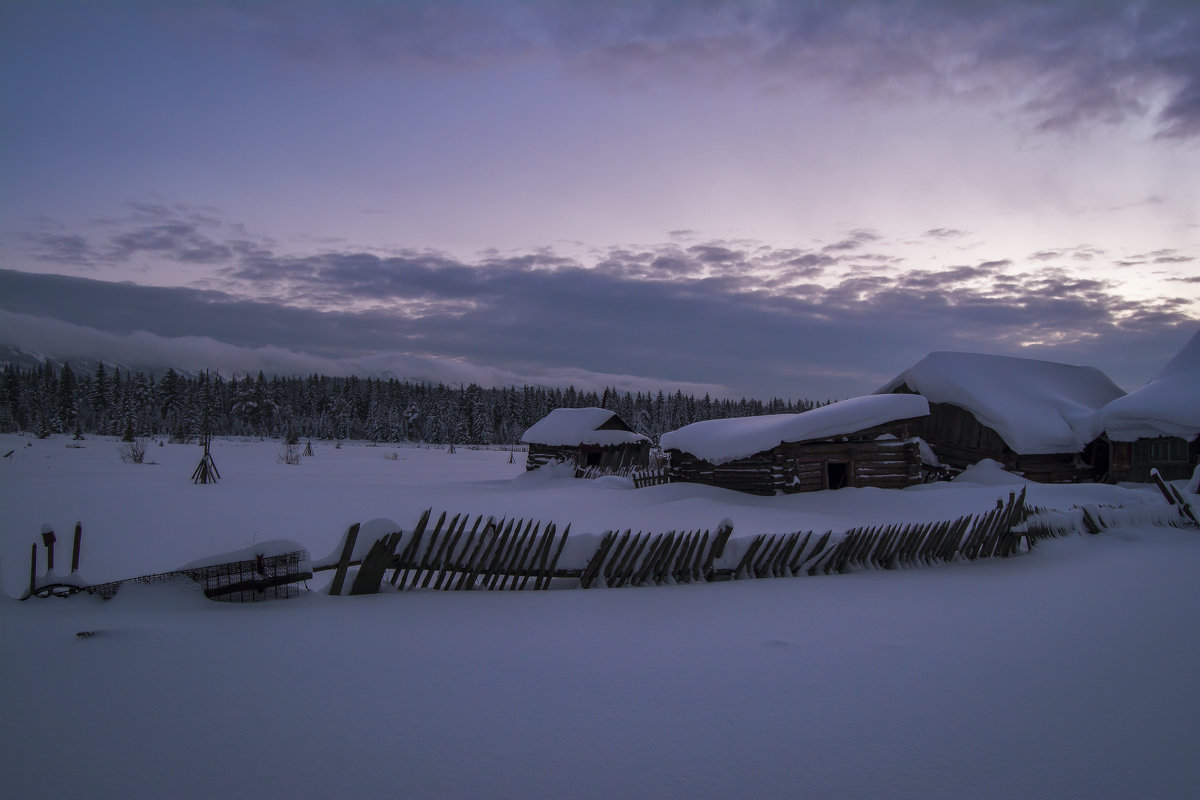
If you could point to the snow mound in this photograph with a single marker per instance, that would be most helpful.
(554, 470)
(718, 441)
(564, 427)
(1035, 406)
(1169, 405)
(988, 473)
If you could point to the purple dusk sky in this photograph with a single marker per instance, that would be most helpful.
(762, 198)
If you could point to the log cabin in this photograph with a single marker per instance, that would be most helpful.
(585, 437)
(1158, 425)
(1036, 418)
(863, 441)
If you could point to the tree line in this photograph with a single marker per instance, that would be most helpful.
(47, 399)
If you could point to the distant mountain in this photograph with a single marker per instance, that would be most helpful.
(28, 359)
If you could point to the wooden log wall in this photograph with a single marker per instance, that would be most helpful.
(610, 458)
(960, 440)
(802, 467)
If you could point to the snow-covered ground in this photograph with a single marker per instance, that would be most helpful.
(1067, 672)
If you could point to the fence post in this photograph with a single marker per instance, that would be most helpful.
(48, 540)
(339, 577)
(33, 570)
(75, 549)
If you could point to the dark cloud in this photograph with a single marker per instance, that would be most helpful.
(174, 233)
(1065, 65)
(945, 233)
(812, 261)
(759, 337)
(733, 313)
(853, 241)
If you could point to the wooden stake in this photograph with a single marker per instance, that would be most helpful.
(408, 556)
(32, 570)
(339, 577)
(75, 547)
(554, 562)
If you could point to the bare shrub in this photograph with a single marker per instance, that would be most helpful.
(289, 454)
(133, 452)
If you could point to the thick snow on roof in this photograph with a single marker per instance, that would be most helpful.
(565, 427)
(1035, 406)
(1169, 405)
(718, 441)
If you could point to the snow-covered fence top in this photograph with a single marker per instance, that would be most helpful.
(567, 427)
(1035, 406)
(719, 441)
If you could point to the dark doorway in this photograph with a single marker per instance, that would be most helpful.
(593, 459)
(837, 474)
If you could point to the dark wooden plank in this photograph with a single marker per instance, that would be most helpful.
(487, 542)
(593, 566)
(553, 566)
(436, 563)
(409, 555)
(339, 577)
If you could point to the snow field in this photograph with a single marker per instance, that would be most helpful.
(1068, 672)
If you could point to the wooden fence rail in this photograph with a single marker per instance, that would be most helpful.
(524, 554)
(486, 554)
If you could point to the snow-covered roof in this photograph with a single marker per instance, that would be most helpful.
(566, 427)
(1169, 405)
(718, 441)
(1035, 406)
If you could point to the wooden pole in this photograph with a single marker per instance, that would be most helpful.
(549, 575)
(33, 570)
(339, 577)
(75, 548)
(48, 540)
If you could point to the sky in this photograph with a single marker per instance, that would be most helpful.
(795, 199)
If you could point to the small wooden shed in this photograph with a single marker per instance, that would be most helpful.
(1158, 425)
(864, 441)
(1037, 418)
(585, 437)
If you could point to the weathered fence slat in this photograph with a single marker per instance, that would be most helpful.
(339, 577)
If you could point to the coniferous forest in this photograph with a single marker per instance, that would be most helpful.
(47, 399)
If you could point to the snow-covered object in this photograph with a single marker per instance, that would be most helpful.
(1169, 405)
(267, 549)
(987, 472)
(719, 441)
(1035, 406)
(368, 532)
(566, 427)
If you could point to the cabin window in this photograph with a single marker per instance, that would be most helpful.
(1156, 451)
(837, 473)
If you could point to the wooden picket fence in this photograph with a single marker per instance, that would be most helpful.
(519, 554)
(1045, 523)
(524, 554)
(641, 476)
